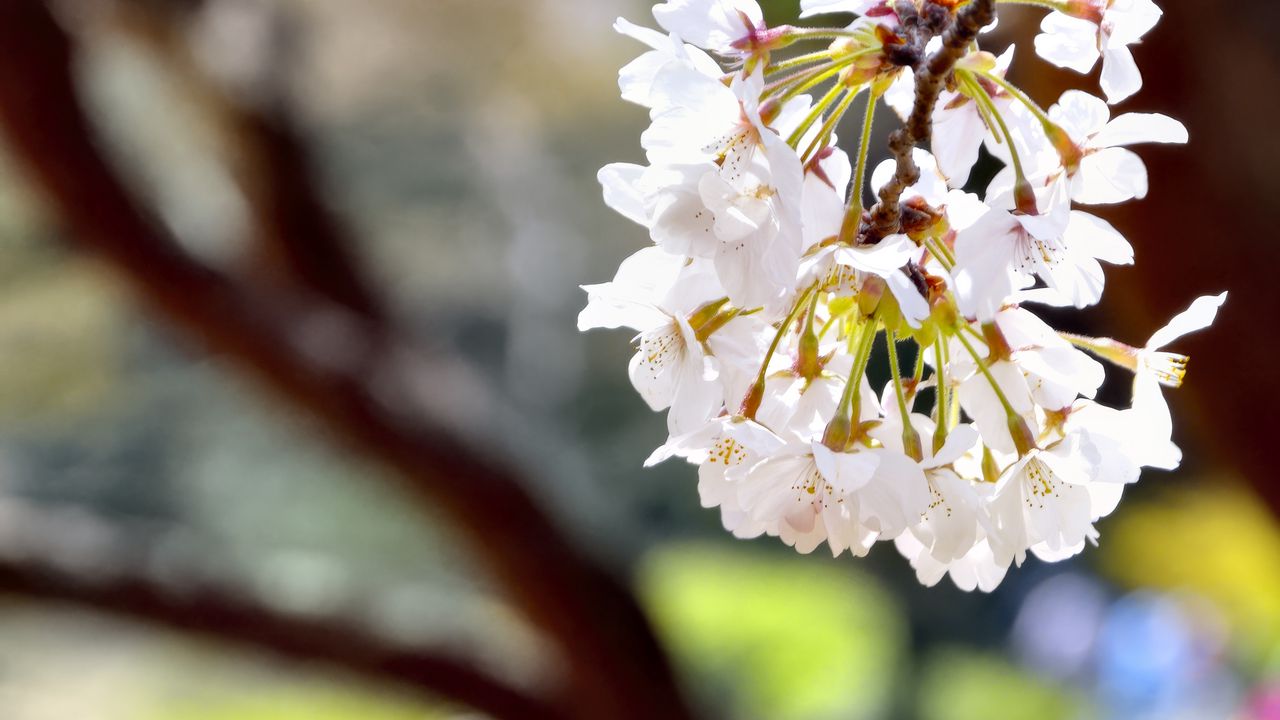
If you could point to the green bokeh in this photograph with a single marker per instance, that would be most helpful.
(784, 637)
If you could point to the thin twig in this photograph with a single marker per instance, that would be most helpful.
(918, 129)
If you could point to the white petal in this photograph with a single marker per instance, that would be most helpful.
(1082, 115)
(1120, 75)
(1096, 237)
(1131, 19)
(1150, 412)
(650, 37)
(809, 8)
(1197, 317)
(632, 299)
(712, 24)
(1068, 42)
(884, 258)
(847, 472)
(622, 192)
(914, 306)
(1132, 128)
(959, 441)
(1110, 175)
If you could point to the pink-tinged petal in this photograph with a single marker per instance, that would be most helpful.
(1120, 75)
(711, 24)
(1200, 315)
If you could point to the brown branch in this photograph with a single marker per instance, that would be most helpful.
(930, 76)
(42, 552)
(336, 366)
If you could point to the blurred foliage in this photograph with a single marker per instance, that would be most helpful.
(785, 637)
(1214, 540)
(963, 685)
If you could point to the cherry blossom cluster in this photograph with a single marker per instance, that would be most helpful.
(772, 283)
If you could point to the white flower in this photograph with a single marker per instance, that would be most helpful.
(949, 527)
(755, 309)
(726, 27)
(977, 570)
(1155, 367)
(1001, 251)
(1042, 370)
(1110, 27)
(1042, 500)
(667, 200)
(1109, 173)
(724, 450)
(806, 506)
(653, 293)
(750, 190)
(636, 79)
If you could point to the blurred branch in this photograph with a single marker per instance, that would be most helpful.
(49, 558)
(299, 237)
(363, 384)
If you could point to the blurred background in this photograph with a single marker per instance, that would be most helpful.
(460, 140)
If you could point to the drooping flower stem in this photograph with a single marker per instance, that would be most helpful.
(1023, 439)
(940, 389)
(815, 112)
(828, 128)
(840, 429)
(916, 377)
(910, 438)
(1024, 195)
(807, 80)
(853, 215)
(940, 251)
(797, 62)
(1061, 141)
(755, 395)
